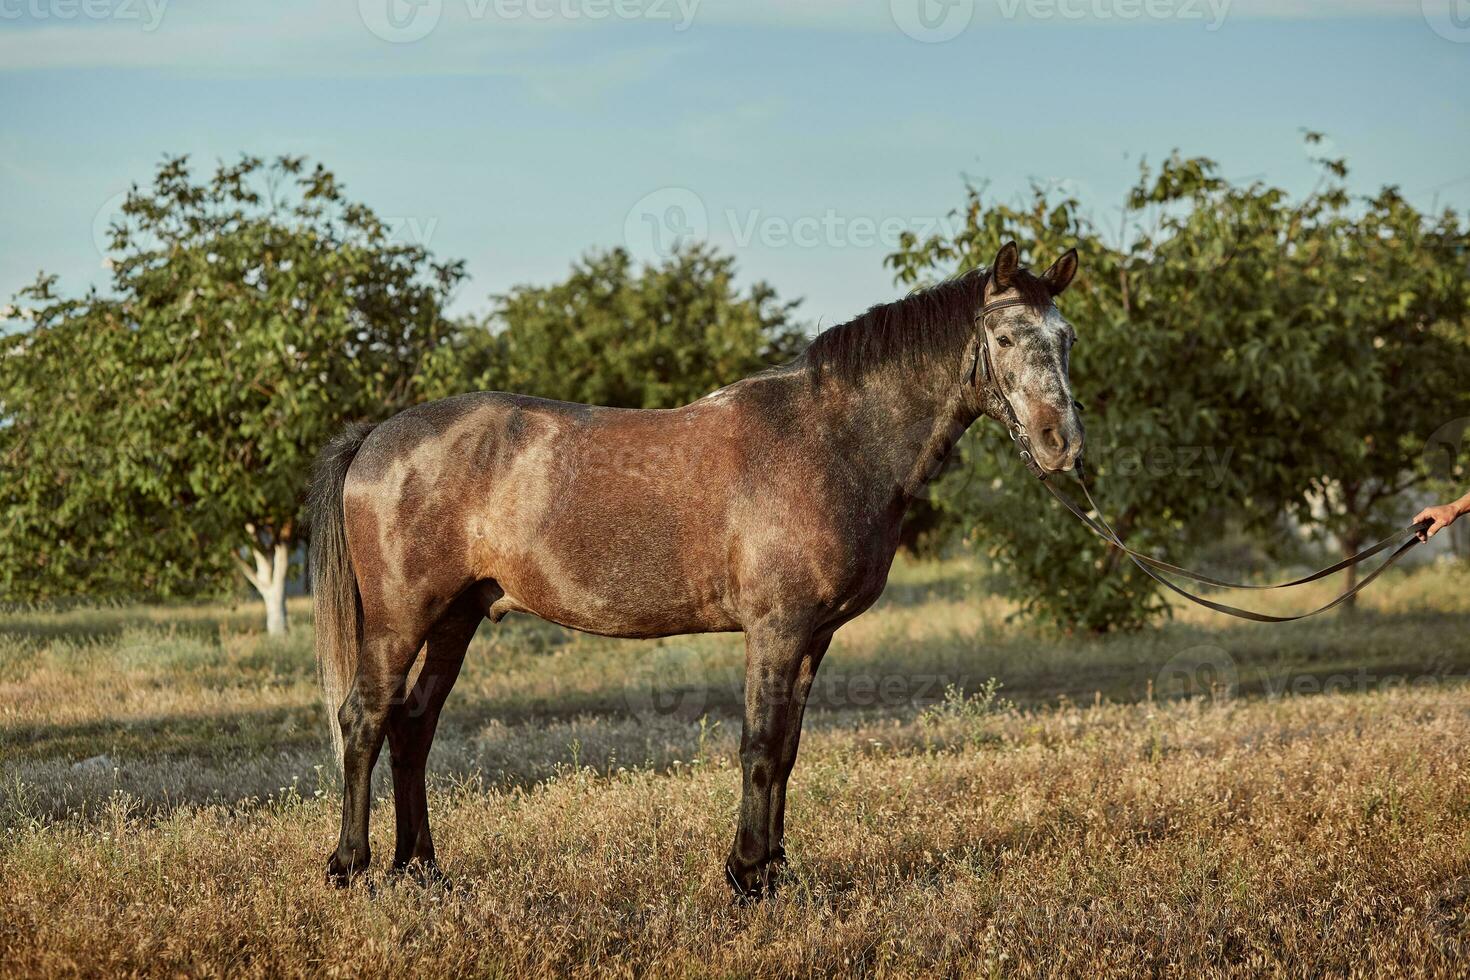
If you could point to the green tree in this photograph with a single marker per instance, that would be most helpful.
(162, 435)
(1242, 357)
(1390, 282)
(612, 334)
(70, 525)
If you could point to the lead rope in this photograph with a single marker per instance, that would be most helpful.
(1104, 530)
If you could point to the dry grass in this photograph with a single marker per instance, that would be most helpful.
(586, 789)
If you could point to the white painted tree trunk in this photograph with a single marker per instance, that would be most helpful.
(269, 579)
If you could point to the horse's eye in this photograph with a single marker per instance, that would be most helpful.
(1003, 341)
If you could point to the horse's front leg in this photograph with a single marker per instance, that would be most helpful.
(806, 673)
(773, 657)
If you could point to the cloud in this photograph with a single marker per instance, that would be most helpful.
(301, 41)
(879, 14)
(489, 37)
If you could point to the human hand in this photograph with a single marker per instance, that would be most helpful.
(1440, 517)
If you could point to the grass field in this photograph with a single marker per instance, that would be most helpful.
(1201, 797)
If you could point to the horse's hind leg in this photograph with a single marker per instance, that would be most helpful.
(384, 662)
(773, 656)
(411, 725)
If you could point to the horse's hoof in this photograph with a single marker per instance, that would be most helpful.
(341, 872)
(425, 874)
(776, 869)
(747, 886)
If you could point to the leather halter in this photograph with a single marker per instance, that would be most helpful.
(981, 364)
(1149, 565)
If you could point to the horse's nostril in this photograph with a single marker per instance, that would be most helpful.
(1053, 439)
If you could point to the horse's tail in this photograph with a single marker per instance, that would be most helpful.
(334, 585)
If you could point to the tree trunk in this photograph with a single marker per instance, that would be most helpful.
(269, 579)
(1351, 538)
(1350, 545)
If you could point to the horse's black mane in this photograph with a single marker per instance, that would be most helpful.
(924, 329)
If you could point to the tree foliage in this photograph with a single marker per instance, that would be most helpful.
(613, 334)
(1244, 355)
(161, 433)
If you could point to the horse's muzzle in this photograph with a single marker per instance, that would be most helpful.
(1057, 446)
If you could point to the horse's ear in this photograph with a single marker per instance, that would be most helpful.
(1059, 276)
(1003, 269)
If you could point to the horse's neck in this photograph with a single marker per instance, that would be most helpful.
(937, 435)
(905, 426)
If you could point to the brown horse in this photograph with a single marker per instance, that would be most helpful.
(771, 506)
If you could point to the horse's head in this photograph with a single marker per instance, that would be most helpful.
(1030, 347)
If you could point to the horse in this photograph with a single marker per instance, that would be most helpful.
(771, 507)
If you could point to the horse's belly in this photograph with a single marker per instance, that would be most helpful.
(626, 605)
(644, 575)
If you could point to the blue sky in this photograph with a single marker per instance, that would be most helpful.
(801, 135)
